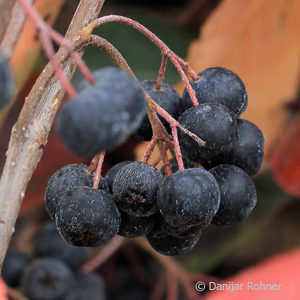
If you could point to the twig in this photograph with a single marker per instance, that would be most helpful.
(162, 71)
(30, 133)
(159, 288)
(105, 252)
(5, 13)
(149, 149)
(97, 176)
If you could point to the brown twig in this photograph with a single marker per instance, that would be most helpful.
(162, 71)
(97, 176)
(30, 133)
(104, 253)
(5, 13)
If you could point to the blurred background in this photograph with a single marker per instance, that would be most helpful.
(260, 41)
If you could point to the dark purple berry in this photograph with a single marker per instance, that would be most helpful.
(49, 243)
(135, 189)
(132, 226)
(170, 245)
(248, 151)
(66, 179)
(213, 123)
(238, 195)
(167, 98)
(46, 279)
(14, 263)
(7, 84)
(88, 286)
(87, 217)
(112, 172)
(102, 116)
(189, 198)
(221, 86)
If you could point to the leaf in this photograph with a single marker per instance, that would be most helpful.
(285, 160)
(281, 270)
(3, 290)
(260, 41)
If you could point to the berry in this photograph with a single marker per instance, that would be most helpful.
(112, 172)
(248, 151)
(46, 279)
(49, 243)
(238, 195)
(7, 84)
(167, 244)
(87, 217)
(221, 86)
(102, 116)
(89, 286)
(213, 123)
(189, 198)
(174, 166)
(135, 189)
(132, 226)
(167, 98)
(14, 263)
(66, 179)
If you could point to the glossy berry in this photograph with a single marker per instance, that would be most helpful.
(49, 243)
(189, 198)
(112, 172)
(66, 179)
(213, 123)
(88, 286)
(87, 217)
(170, 245)
(14, 263)
(238, 195)
(248, 151)
(7, 84)
(135, 189)
(174, 166)
(102, 116)
(221, 86)
(132, 226)
(167, 98)
(46, 279)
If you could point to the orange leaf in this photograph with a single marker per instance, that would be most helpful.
(282, 270)
(260, 41)
(285, 159)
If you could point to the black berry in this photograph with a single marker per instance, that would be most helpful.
(238, 195)
(167, 244)
(167, 98)
(215, 124)
(218, 85)
(87, 217)
(49, 243)
(248, 151)
(7, 84)
(135, 189)
(46, 279)
(112, 172)
(66, 179)
(102, 116)
(189, 198)
(88, 286)
(132, 226)
(14, 263)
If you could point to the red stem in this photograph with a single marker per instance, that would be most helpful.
(97, 176)
(149, 149)
(176, 60)
(177, 148)
(162, 70)
(164, 157)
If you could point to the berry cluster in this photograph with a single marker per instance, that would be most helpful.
(135, 198)
(7, 83)
(52, 273)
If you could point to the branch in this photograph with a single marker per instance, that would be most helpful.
(30, 133)
(5, 12)
(13, 30)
